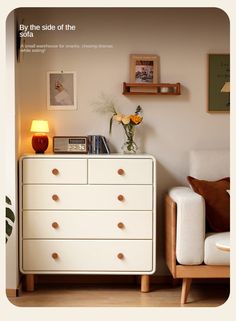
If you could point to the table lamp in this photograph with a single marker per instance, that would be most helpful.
(39, 139)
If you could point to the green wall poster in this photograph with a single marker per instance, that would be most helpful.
(219, 74)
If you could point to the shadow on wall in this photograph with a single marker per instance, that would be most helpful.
(143, 133)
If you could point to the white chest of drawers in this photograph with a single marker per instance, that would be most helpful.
(88, 214)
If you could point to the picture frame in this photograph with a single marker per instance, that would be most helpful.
(218, 76)
(144, 69)
(61, 90)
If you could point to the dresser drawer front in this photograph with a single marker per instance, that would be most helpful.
(54, 171)
(87, 225)
(87, 255)
(87, 197)
(120, 171)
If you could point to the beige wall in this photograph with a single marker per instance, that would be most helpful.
(10, 181)
(172, 125)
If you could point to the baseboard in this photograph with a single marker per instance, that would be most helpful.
(13, 293)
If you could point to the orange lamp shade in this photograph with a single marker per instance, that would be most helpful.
(39, 139)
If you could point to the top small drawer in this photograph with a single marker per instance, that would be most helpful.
(120, 171)
(54, 171)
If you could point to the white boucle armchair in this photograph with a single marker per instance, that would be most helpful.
(190, 251)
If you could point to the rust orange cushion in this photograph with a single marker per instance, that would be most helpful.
(217, 201)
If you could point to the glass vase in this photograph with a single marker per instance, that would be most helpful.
(129, 146)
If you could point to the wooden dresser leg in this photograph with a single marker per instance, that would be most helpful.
(185, 290)
(145, 280)
(29, 281)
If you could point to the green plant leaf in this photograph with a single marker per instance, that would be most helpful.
(8, 229)
(8, 201)
(10, 214)
(110, 127)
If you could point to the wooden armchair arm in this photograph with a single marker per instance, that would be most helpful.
(170, 234)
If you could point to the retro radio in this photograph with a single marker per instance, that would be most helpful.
(70, 144)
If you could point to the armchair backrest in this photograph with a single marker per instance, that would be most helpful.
(209, 164)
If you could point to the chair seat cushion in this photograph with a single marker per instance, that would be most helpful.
(213, 255)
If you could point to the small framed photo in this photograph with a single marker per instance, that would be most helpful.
(61, 90)
(218, 83)
(144, 69)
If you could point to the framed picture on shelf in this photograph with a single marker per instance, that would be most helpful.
(144, 69)
(218, 83)
(61, 90)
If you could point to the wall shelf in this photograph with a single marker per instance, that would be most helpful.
(151, 89)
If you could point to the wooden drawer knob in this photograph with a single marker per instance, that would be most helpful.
(55, 256)
(120, 225)
(120, 171)
(55, 225)
(55, 197)
(120, 256)
(120, 198)
(55, 171)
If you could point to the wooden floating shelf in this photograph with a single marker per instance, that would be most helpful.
(151, 89)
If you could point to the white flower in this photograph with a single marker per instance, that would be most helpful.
(118, 117)
(125, 120)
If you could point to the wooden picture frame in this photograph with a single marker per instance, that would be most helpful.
(218, 75)
(144, 69)
(61, 90)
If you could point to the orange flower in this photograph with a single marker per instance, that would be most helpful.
(136, 119)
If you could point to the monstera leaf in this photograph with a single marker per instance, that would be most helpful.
(10, 218)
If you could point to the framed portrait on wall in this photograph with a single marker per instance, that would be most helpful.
(218, 83)
(61, 90)
(144, 69)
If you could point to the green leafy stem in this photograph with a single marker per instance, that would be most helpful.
(10, 218)
(129, 132)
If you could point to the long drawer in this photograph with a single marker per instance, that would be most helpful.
(55, 171)
(87, 225)
(71, 255)
(87, 197)
(120, 171)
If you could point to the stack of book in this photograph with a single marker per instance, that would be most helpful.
(98, 145)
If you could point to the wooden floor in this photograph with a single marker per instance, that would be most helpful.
(201, 295)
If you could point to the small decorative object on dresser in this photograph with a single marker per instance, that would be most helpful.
(88, 214)
(98, 145)
(70, 144)
(39, 139)
(128, 122)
